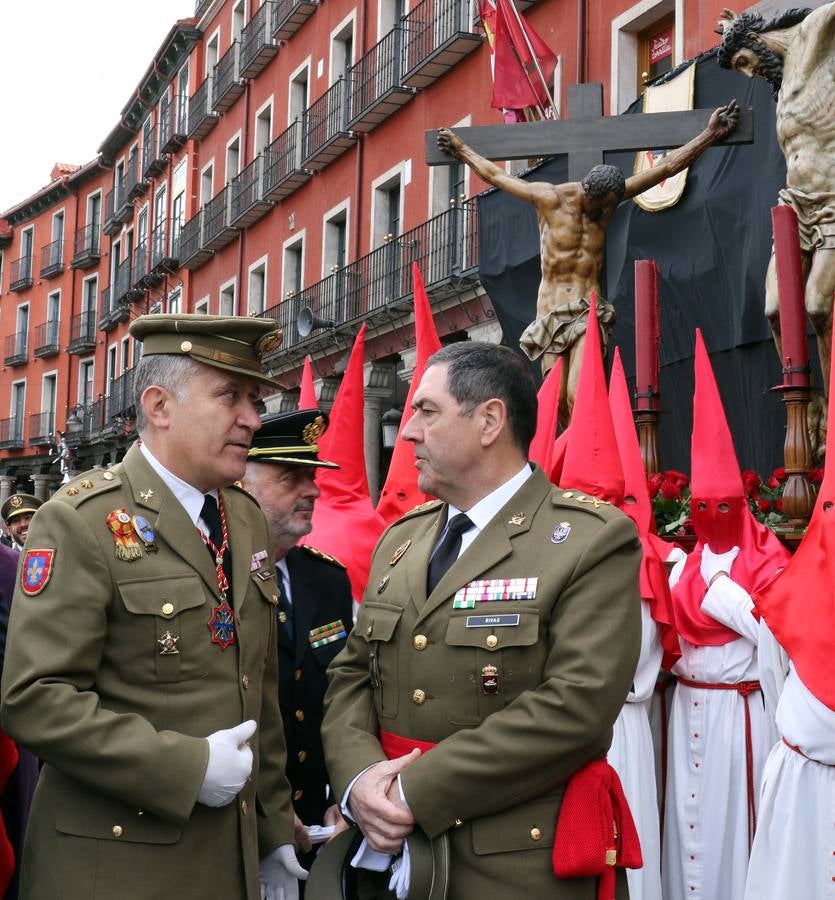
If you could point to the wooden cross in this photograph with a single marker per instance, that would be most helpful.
(587, 135)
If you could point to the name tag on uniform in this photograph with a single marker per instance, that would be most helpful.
(485, 590)
(493, 621)
(264, 574)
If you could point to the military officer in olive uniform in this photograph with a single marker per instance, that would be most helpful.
(17, 512)
(315, 611)
(501, 645)
(141, 661)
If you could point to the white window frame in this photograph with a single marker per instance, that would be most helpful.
(263, 262)
(267, 104)
(236, 137)
(233, 283)
(52, 373)
(334, 38)
(209, 165)
(290, 244)
(79, 388)
(202, 306)
(439, 175)
(291, 80)
(327, 218)
(395, 173)
(214, 39)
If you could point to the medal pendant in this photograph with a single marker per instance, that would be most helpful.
(490, 680)
(222, 624)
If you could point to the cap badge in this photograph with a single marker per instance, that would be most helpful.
(16, 502)
(313, 430)
(269, 342)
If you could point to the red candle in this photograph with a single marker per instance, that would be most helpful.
(791, 291)
(647, 334)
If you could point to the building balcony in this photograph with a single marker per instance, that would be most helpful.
(325, 133)
(164, 248)
(218, 230)
(85, 422)
(153, 159)
(86, 246)
(140, 265)
(201, 119)
(52, 259)
(46, 339)
(258, 46)
(247, 190)
(122, 290)
(41, 429)
(113, 311)
(283, 171)
(192, 253)
(374, 84)
(16, 349)
(118, 210)
(200, 7)
(289, 16)
(380, 283)
(173, 124)
(11, 433)
(82, 332)
(437, 34)
(227, 85)
(120, 401)
(135, 183)
(20, 274)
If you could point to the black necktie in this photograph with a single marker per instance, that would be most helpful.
(284, 605)
(210, 514)
(448, 550)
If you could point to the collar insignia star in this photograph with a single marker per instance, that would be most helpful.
(518, 519)
(146, 495)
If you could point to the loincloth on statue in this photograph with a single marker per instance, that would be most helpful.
(815, 217)
(558, 331)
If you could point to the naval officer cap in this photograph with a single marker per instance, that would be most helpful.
(233, 343)
(19, 505)
(333, 878)
(291, 439)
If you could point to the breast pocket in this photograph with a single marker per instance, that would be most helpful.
(487, 663)
(378, 625)
(162, 632)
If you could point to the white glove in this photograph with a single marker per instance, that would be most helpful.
(716, 562)
(280, 874)
(230, 764)
(401, 874)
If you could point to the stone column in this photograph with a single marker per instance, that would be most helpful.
(490, 332)
(409, 358)
(7, 483)
(325, 389)
(41, 486)
(379, 396)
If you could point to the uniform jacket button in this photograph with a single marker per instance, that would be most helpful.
(301, 756)
(298, 674)
(117, 831)
(245, 680)
(297, 795)
(244, 807)
(300, 715)
(420, 641)
(536, 834)
(419, 696)
(491, 640)
(167, 609)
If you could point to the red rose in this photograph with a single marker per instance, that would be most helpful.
(780, 474)
(670, 489)
(654, 484)
(773, 482)
(778, 505)
(764, 505)
(688, 527)
(751, 483)
(678, 478)
(816, 476)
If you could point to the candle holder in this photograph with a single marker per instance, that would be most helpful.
(646, 418)
(798, 494)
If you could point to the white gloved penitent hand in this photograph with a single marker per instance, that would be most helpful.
(230, 764)
(712, 563)
(280, 874)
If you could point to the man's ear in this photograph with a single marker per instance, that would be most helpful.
(157, 403)
(493, 420)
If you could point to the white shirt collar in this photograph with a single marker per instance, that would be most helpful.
(189, 496)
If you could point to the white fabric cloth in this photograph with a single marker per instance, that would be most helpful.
(794, 849)
(189, 496)
(705, 847)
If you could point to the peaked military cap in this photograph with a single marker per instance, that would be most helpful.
(19, 505)
(234, 343)
(292, 439)
(333, 878)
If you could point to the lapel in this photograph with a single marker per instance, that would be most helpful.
(170, 520)
(493, 544)
(304, 598)
(240, 543)
(416, 558)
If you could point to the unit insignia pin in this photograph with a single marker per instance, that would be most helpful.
(143, 526)
(490, 680)
(518, 519)
(127, 547)
(561, 532)
(15, 502)
(398, 553)
(168, 644)
(384, 582)
(146, 495)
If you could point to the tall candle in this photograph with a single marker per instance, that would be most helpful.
(647, 334)
(791, 291)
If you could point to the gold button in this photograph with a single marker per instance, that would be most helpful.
(369, 631)
(186, 346)
(568, 495)
(301, 756)
(420, 641)
(117, 831)
(245, 680)
(167, 609)
(297, 674)
(244, 807)
(300, 715)
(457, 823)
(274, 600)
(108, 476)
(419, 696)
(282, 617)
(536, 834)
(491, 640)
(297, 795)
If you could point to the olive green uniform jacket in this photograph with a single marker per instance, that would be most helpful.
(119, 725)
(412, 666)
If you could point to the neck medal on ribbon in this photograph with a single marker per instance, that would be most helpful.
(222, 622)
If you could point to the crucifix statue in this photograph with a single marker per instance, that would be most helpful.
(573, 216)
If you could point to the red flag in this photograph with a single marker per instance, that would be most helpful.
(307, 397)
(345, 523)
(400, 492)
(548, 402)
(517, 83)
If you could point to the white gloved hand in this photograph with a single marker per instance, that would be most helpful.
(280, 874)
(230, 764)
(716, 562)
(401, 874)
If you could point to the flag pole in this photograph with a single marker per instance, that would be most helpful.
(533, 57)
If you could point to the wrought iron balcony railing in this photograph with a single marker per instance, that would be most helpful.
(375, 86)
(436, 35)
(283, 171)
(20, 273)
(120, 399)
(86, 246)
(41, 428)
(192, 251)
(16, 348)
(52, 259)
(173, 123)
(165, 247)
(325, 133)
(217, 228)
(201, 118)
(83, 332)
(227, 85)
(247, 189)
(135, 183)
(140, 264)
(153, 159)
(46, 338)
(289, 16)
(11, 433)
(258, 46)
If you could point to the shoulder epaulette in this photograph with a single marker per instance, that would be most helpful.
(320, 554)
(422, 508)
(581, 500)
(89, 484)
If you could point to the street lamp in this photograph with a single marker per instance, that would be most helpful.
(390, 423)
(74, 423)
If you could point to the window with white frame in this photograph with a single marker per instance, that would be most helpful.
(298, 92)
(387, 207)
(174, 299)
(207, 177)
(202, 307)
(233, 158)
(49, 400)
(257, 293)
(293, 269)
(227, 299)
(212, 52)
(125, 354)
(22, 330)
(342, 49)
(263, 127)
(18, 409)
(86, 372)
(335, 239)
(238, 19)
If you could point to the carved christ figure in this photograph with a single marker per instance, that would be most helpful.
(572, 229)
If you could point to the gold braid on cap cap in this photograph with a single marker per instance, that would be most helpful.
(228, 359)
(302, 448)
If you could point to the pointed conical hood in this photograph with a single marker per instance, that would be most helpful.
(307, 395)
(592, 461)
(547, 415)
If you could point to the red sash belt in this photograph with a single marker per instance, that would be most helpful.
(744, 689)
(595, 831)
(801, 753)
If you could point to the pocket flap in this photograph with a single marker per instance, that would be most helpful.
(379, 621)
(530, 826)
(163, 597)
(525, 634)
